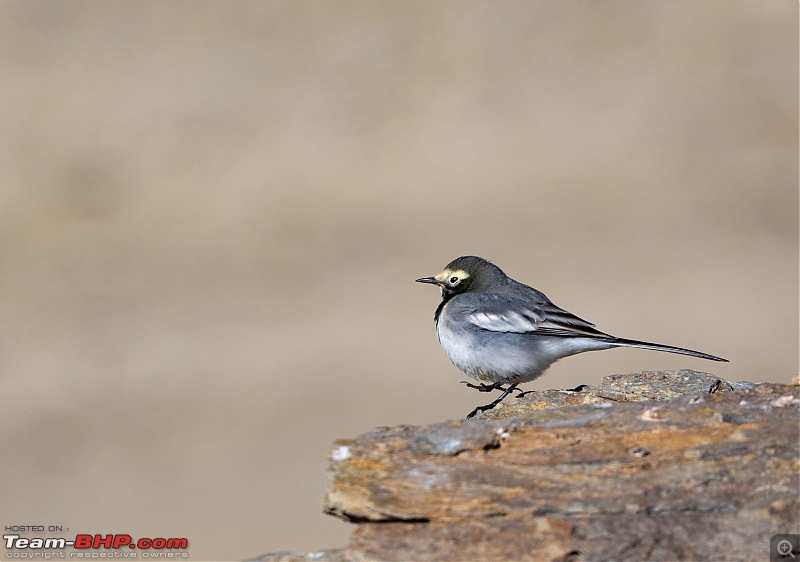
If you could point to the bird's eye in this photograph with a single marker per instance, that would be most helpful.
(454, 280)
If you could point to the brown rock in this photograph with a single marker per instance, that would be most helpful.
(494, 538)
(332, 555)
(645, 385)
(582, 475)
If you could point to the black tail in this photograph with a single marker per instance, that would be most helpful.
(659, 347)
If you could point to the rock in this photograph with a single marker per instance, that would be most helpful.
(332, 555)
(654, 465)
(645, 385)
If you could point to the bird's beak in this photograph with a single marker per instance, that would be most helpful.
(431, 280)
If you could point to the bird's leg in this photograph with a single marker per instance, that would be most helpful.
(506, 392)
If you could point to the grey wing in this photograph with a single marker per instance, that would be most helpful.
(503, 313)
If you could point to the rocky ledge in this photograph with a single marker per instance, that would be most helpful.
(654, 465)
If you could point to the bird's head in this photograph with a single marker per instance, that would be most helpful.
(467, 273)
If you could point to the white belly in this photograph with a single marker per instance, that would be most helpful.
(493, 357)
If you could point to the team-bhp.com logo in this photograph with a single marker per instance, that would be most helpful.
(89, 543)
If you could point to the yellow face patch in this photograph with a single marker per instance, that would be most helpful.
(452, 278)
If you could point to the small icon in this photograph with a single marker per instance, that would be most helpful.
(785, 548)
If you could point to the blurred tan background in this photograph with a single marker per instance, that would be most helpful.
(212, 215)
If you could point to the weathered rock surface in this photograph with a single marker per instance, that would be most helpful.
(656, 465)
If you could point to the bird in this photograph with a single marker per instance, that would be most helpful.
(503, 333)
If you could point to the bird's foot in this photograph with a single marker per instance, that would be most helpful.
(480, 409)
(485, 387)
